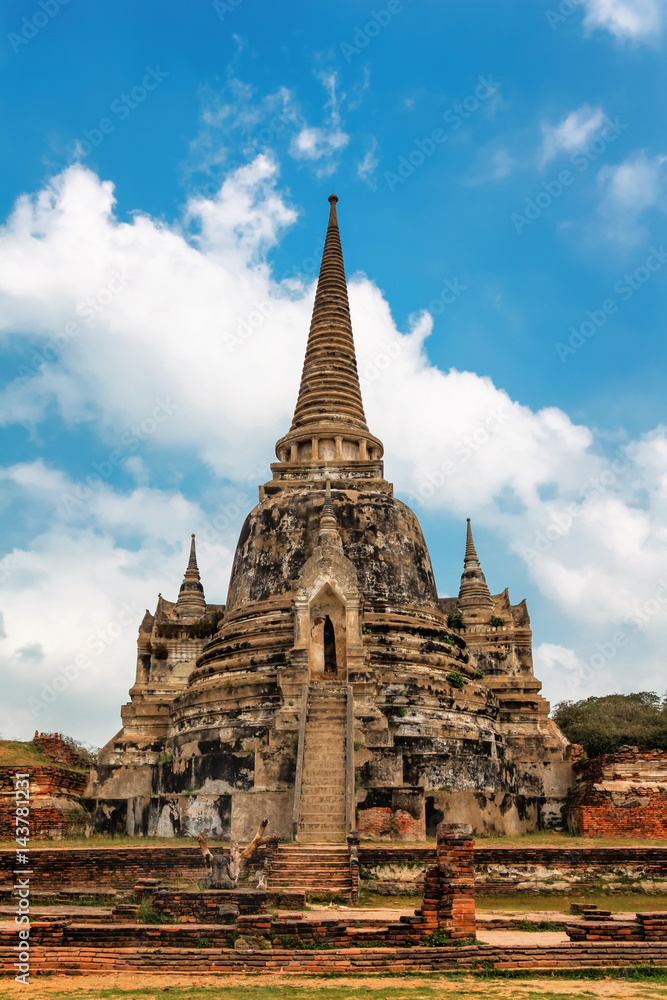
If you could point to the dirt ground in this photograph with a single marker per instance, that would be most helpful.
(278, 987)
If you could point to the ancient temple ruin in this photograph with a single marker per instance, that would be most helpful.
(334, 690)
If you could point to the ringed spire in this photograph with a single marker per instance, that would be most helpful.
(329, 422)
(475, 599)
(191, 602)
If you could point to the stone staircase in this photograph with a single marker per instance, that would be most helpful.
(322, 805)
(317, 869)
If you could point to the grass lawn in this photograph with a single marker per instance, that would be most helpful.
(540, 839)
(569, 984)
(15, 753)
(106, 841)
(632, 902)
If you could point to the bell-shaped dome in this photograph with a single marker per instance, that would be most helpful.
(380, 536)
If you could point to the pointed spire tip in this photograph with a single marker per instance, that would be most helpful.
(333, 217)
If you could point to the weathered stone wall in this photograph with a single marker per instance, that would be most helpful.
(393, 871)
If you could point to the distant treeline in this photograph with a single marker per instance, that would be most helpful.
(602, 725)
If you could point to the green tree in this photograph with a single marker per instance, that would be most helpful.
(602, 725)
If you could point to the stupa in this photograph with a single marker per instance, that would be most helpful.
(334, 691)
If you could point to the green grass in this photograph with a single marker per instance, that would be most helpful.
(547, 838)
(539, 839)
(617, 903)
(106, 841)
(629, 902)
(541, 925)
(374, 901)
(412, 986)
(17, 753)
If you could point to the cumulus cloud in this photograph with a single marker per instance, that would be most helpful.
(628, 20)
(195, 346)
(80, 594)
(629, 189)
(572, 133)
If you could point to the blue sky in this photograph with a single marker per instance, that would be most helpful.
(501, 174)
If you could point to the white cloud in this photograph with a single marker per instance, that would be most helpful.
(322, 143)
(237, 124)
(78, 592)
(315, 143)
(636, 20)
(368, 165)
(571, 134)
(204, 325)
(628, 190)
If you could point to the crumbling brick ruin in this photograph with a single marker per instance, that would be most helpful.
(622, 794)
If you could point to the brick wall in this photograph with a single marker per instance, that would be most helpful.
(115, 867)
(623, 794)
(122, 867)
(46, 819)
(602, 926)
(203, 907)
(102, 955)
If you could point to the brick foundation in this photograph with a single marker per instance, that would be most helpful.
(159, 957)
(203, 907)
(600, 925)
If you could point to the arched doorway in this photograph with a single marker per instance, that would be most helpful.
(327, 646)
(330, 665)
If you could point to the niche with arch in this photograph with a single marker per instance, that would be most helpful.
(327, 647)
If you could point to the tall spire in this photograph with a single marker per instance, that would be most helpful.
(329, 383)
(329, 423)
(191, 602)
(474, 596)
